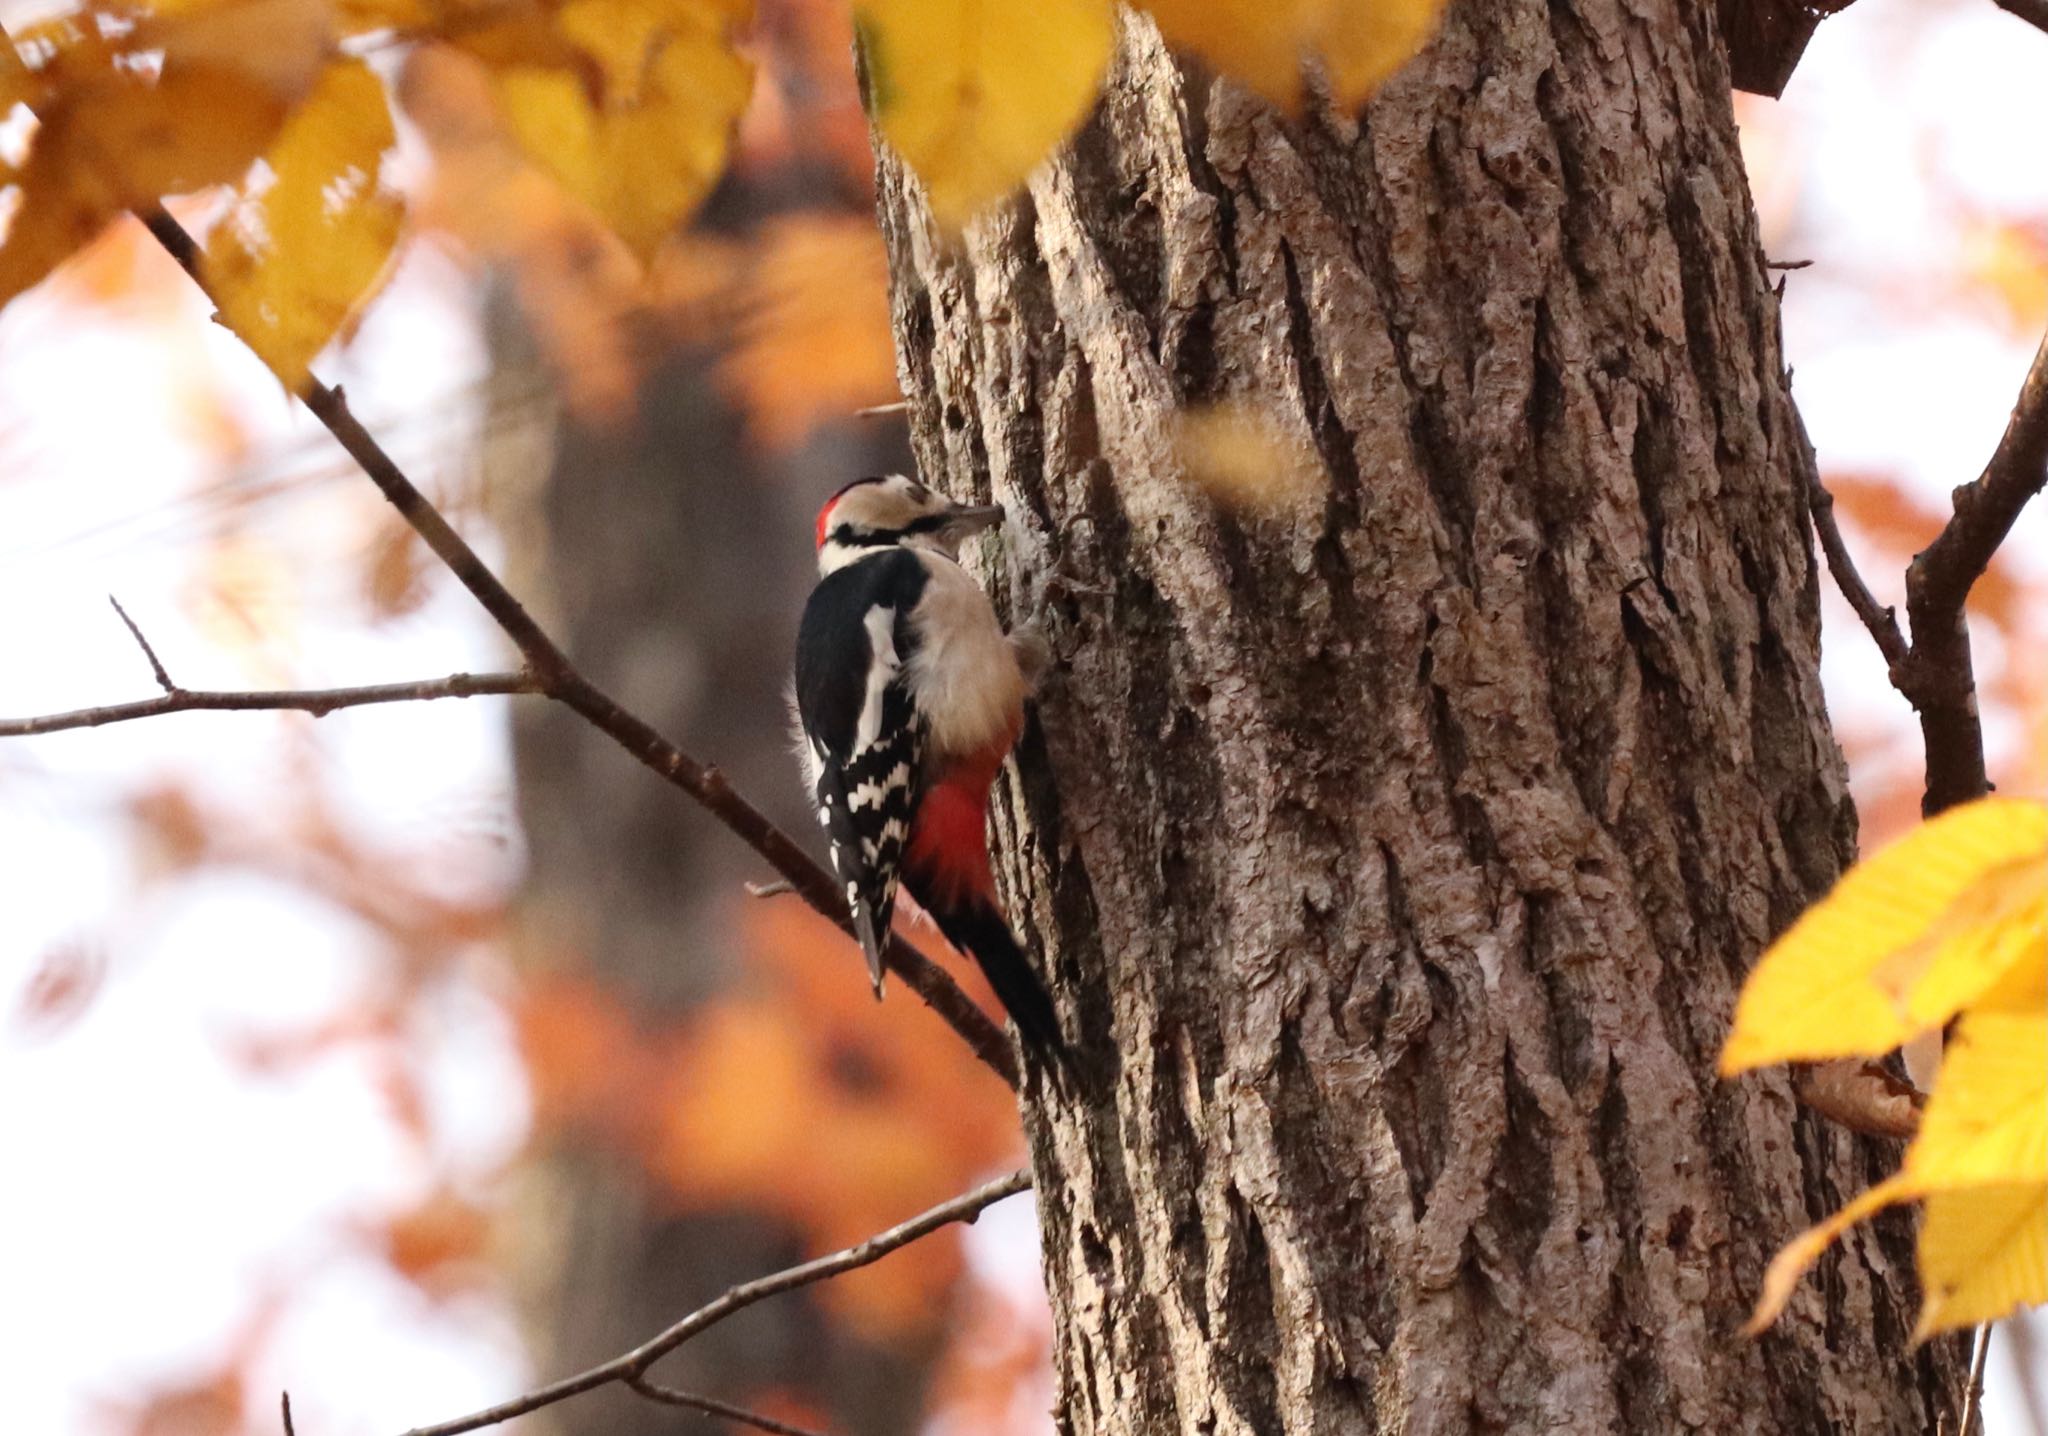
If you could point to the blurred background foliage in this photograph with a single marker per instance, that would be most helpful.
(403, 1056)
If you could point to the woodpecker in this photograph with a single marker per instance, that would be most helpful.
(909, 695)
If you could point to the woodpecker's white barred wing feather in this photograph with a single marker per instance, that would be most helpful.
(865, 737)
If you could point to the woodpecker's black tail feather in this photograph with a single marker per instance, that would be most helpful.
(980, 931)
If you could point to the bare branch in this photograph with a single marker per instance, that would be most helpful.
(284, 1401)
(1938, 679)
(631, 1368)
(1882, 622)
(777, 888)
(1973, 1394)
(2034, 12)
(316, 701)
(156, 665)
(710, 1406)
(558, 679)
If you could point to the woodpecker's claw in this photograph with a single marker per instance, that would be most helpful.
(1034, 653)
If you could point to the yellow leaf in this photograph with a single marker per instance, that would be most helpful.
(17, 82)
(517, 33)
(624, 36)
(1792, 1261)
(361, 17)
(1996, 924)
(1983, 1254)
(973, 94)
(1264, 43)
(2010, 262)
(55, 219)
(280, 44)
(198, 126)
(1363, 44)
(1813, 994)
(1987, 1120)
(110, 140)
(1260, 45)
(290, 268)
(65, 49)
(642, 165)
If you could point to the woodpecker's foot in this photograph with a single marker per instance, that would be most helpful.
(1060, 583)
(1034, 653)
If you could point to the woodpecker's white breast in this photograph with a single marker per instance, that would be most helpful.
(963, 672)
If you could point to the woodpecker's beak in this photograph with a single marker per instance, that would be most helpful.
(967, 520)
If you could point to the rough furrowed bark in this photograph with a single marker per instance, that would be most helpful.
(1399, 851)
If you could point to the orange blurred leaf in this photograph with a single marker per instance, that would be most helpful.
(1244, 459)
(61, 988)
(585, 1057)
(396, 583)
(813, 342)
(1263, 43)
(172, 829)
(209, 1408)
(442, 1232)
(801, 1097)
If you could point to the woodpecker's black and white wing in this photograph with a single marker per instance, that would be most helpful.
(864, 738)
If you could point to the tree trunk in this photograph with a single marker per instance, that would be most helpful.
(1398, 853)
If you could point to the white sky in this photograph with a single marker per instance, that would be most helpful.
(158, 1196)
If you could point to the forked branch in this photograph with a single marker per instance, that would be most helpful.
(1938, 676)
(630, 1369)
(317, 701)
(557, 678)
(1934, 670)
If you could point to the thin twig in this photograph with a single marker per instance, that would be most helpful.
(1879, 618)
(559, 679)
(1973, 1394)
(1938, 679)
(882, 411)
(284, 1401)
(316, 701)
(2034, 12)
(633, 1365)
(156, 665)
(711, 1406)
(778, 888)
